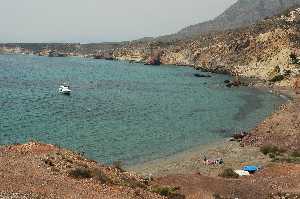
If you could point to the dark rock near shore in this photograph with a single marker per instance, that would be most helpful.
(153, 62)
(56, 54)
(98, 57)
(103, 57)
(217, 69)
(229, 85)
(201, 75)
(234, 83)
(109, 58)
(134, 62)
(239, 136)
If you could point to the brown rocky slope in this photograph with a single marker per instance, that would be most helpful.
(268, 50)
(37, 170)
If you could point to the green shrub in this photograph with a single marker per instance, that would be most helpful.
(272, 155)
(49, 162)
(176, 196)
(295, 153)
(265, 149)
(97, 174)
(228, 173)
(271, 149)
(276, 159)
(217, 196)
(291, 159)
(131, 182)
(101, 176)
(169, 192)
(81, 173)
(277, 78)
(293, 56)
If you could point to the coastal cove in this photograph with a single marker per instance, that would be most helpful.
(121, 111)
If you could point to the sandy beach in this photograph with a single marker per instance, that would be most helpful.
(235, 154)
(276, 179)
(191, 161)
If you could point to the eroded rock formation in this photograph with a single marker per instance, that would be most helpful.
(268, 50)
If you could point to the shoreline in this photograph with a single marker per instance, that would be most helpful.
(190, 158)
(190, 161)
(234, 154)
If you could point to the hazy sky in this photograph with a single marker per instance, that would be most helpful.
(100, 20)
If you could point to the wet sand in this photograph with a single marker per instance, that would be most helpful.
(191, 161)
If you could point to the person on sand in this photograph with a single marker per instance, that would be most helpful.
(218, 161)
(204, 160)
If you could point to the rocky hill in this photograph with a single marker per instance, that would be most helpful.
(242, 13)
(268, 50)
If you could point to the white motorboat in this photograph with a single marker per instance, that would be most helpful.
(64, 90)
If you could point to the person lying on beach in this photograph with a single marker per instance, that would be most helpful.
(217, 161)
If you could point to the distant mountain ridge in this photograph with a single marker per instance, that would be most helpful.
(242, 13)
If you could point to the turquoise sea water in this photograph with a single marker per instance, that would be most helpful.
(121, 111)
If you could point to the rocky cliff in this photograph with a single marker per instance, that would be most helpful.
(268, 50)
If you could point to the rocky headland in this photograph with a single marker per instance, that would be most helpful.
(268, 50)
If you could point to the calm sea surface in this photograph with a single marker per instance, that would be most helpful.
(121, 111)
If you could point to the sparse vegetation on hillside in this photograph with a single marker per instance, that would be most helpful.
(271, 149)
(228, 173)
(169, 192)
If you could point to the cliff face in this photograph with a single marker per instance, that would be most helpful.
(256, 51)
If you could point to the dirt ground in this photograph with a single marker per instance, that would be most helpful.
(36, 170)
(271, 182)
(281, 129)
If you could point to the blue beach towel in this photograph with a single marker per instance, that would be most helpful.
(250, 168)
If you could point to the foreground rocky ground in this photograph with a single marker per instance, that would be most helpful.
(36, 170)
(275, 181)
